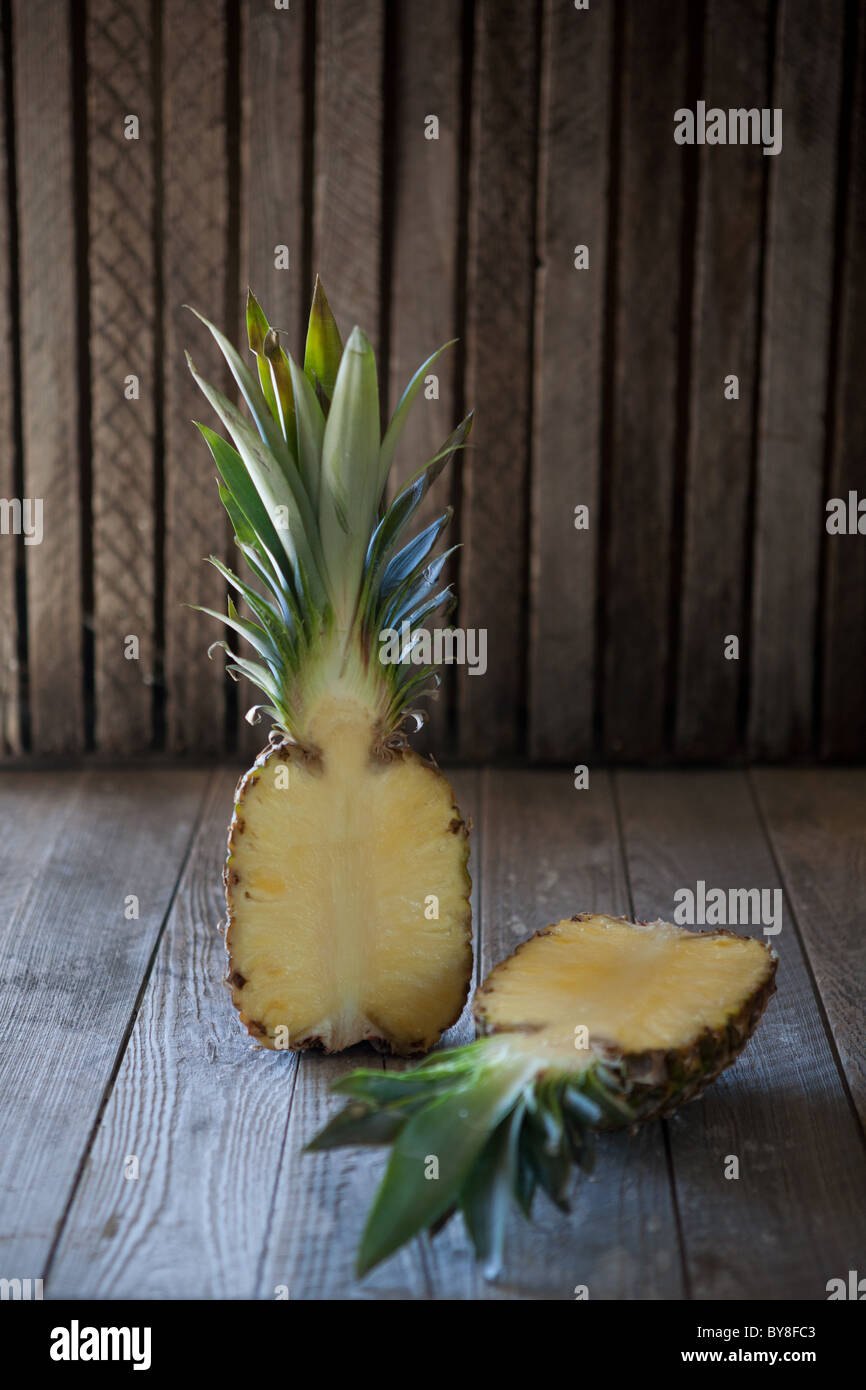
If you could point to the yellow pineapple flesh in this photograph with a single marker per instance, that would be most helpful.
(347, 894)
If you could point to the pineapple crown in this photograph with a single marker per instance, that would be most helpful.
(304, 488)
(501, 1125)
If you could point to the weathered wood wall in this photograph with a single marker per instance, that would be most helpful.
(602, 387)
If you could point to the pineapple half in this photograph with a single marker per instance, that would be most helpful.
(595, 1023)
(346, 879)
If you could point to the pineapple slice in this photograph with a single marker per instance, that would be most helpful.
(348, 895)
(594, 1023)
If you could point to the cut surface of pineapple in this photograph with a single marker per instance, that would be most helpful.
(348, 894)
(633, 987)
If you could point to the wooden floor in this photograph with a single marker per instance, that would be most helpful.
(118, 1044)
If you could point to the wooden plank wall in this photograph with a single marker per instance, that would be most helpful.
(600, 387)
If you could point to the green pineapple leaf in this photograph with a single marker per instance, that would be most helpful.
(401, 413)
(486, 1195)
(350, 490)
(257, 330)
(311, 432)
(452, 1129)
(324, 347)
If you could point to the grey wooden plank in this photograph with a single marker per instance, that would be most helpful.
(122, 272)
(10, 674)
(347, 204)
(50, 369)
(71, 966)
(724, 341)
(796, 1216)
(500, 277)
(795, 351)
(203, 1110)
(321, 1199)
(272, 158)
(573, 211)
(34, 808)
(425, 179)
(636, 580)
(843, 704)
(195, 271)
(816, 821)
(272, 207)
(551, 851)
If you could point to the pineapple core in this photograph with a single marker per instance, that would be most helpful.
(348, 894)
(639, 987)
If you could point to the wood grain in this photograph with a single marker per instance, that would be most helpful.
(35, 808)
(796, 1216)
(195, 270)
(204, 1112)
(798, 294)
(425, 181)
(724, 336)
(843, 702)
(122, 272)
(50, 370)
(71, 966)
(347, 203)
(640, 480)
(10, 674)
(574, 173)
(815, 821)
(549, 851)
(500, 279)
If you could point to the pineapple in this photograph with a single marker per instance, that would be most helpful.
(346, 879)
(595, 1023)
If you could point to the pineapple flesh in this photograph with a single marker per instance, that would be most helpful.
(335, 875)
(346, 879)
(595, 1023)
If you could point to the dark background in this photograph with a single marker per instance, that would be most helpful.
(603, 387)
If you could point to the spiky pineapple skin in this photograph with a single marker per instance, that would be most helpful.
(282, 750)
(659, 1080)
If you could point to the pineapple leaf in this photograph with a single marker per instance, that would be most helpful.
(257, 328)
(401, 413)
(250, 390)
(407, 561)
(419, 583)
(324, 347)
(259, 559)
(430, 471)
(255, 635)
(359, 1124)
(310, 431)
(272, 485)
(277, 365)
(274, 623)
(349, 492)
(453, 1129)
(247, 500)
(485, 1197)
